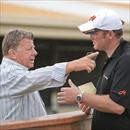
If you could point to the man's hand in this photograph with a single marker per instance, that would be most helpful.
(68, 94)
(86, 109)
(85, 63)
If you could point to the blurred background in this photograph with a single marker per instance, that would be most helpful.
(57, 38)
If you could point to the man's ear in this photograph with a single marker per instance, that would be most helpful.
(12, 53)
(111, 34)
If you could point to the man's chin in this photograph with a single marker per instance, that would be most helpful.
(30, 66)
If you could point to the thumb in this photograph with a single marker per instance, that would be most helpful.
(93, 55)
(71, 83)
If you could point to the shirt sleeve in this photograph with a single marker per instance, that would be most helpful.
(47, 77)
(120, 90)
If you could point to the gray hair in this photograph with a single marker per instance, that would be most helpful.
(13, 38)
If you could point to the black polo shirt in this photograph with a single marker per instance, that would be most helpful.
(115, 81)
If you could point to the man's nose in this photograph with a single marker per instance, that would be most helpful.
(35, 52)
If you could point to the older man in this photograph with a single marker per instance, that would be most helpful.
(19, 97)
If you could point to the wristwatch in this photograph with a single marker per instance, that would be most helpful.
(79, 98)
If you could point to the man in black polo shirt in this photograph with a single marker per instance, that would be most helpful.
(112, 102)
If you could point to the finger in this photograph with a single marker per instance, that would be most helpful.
(93, 62)
(89, 69)
(60, 94)
(60, 98)
(62, 102)
(71, 83)
(93, 55)
(64, 89)
(81, 105)
(88, 111)
(84, 108)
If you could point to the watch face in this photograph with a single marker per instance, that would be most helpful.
(79, 98)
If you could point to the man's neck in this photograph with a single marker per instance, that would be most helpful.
(112, 47)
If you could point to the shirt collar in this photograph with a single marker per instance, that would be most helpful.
(10, 61)
(118, 50)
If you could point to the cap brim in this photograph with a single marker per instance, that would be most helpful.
(86, 27)
(92, 31)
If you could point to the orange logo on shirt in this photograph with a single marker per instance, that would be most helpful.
(92, 18)
(122, 92)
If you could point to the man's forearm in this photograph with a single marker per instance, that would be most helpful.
(103, 103)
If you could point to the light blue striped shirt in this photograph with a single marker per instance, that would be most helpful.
(19, 96)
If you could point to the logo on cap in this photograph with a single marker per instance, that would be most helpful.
(92, 18)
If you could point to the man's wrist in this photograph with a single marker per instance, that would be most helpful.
(79, 97)
(70, 67)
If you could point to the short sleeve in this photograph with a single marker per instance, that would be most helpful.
(120, 90)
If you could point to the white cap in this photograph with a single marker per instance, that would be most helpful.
(104, 19)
